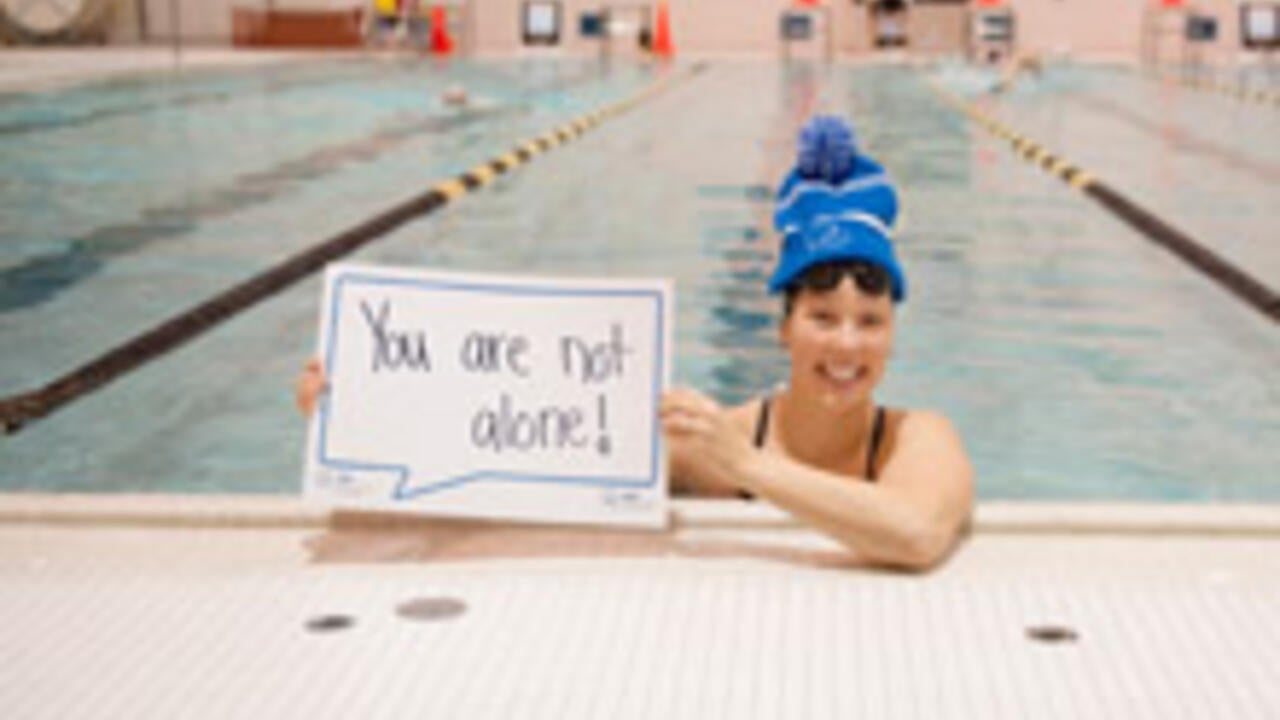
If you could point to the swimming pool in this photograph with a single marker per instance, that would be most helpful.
(1079, 360)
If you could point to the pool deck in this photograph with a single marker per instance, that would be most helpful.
(164, 606)
(26, 69)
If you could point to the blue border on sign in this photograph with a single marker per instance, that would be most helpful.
(403, 489)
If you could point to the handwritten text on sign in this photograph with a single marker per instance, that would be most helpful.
(492, 396)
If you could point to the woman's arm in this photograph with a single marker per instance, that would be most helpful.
(910, 518)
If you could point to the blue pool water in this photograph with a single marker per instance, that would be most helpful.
(1078, 359)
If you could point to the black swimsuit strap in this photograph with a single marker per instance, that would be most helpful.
(873, 451)
(762, 431)
(877, 432)
(762, 422)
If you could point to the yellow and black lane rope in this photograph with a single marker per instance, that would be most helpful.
(1235, 280)
(1243, 94)
(18, 411)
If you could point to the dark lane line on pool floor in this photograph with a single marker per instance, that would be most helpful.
(19, 411)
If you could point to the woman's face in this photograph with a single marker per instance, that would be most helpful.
(839, 341)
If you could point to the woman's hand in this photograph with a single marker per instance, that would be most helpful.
(707, 449)
(310, 385)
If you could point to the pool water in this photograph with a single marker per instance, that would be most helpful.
(1079, 360)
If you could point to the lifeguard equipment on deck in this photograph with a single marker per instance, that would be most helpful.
(1200, 29)
(662, 45)
(992, 32)
(441, 40)
(1260, 26)
(442, 27)
(629, 20)
(1169, 23)
(890, 20)
(591, 24)
(806, 23)
(540, 22)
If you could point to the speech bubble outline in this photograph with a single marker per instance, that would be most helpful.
(407, 486)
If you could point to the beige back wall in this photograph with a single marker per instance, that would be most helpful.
(697, 26)
(201, 21)
(1110, 28)
(1114, 27)
(1102, 28)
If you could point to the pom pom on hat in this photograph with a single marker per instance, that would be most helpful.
(831, 176)
(835, 205)
(827, 149)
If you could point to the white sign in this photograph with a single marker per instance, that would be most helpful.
(492, 396)
(541, 20)
(1260, 23)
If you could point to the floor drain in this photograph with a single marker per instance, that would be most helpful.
(431, 609)
(1052, 634)
(330, 623)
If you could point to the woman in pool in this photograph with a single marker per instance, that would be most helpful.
(893, 485)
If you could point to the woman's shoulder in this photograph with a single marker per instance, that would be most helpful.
(927, 457)
(923, 433)
(918, 424)
(920, 420)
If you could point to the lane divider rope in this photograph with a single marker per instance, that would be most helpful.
(1243, 94)
(20, 410)
(1235, 280)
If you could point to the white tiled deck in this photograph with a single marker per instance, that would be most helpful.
(727, 617)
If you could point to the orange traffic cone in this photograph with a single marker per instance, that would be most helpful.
(441, 43)
(662, 36)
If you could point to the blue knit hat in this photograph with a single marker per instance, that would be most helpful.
(835, 205)
(836, 238)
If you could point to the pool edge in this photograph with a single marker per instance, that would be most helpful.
(284, 511)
